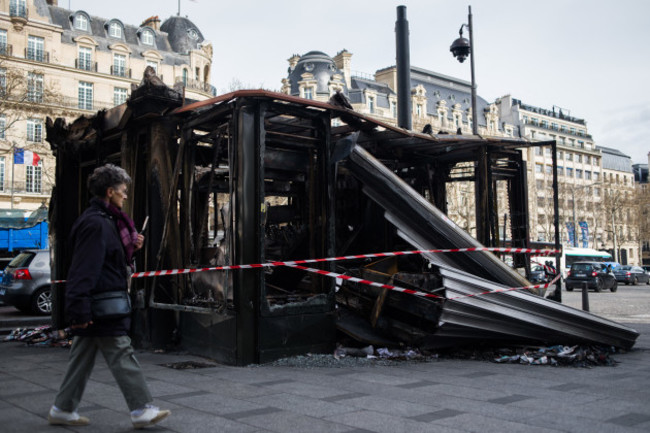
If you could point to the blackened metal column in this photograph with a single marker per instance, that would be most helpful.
(246, 204)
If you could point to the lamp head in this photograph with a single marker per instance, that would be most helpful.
(460, 49)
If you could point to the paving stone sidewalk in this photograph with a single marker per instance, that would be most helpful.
(439, 396)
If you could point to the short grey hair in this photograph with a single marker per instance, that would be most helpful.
(105, 177)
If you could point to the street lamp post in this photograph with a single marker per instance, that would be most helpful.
(461, 48)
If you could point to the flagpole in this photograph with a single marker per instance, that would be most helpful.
(13, 169)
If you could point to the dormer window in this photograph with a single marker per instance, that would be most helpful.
(147, 37)
(192, 33)
(115, 30)
(81, 22)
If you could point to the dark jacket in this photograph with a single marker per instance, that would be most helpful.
(98, 265)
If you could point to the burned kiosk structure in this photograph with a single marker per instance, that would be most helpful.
(258, 178)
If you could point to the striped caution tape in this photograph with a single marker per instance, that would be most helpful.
(339, 258)
(366, 282)
(416, 292)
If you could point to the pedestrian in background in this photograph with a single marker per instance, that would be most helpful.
(103, 240)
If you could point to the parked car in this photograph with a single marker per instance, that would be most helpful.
(631, 275)
(26, 282)
(595, 274)
(646, 268)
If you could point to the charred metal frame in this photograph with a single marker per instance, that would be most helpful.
(295, 188)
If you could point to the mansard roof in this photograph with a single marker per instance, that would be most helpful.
(171, 44)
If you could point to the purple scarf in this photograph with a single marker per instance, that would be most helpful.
(128, 233)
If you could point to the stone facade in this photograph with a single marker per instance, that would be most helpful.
(74, 63)
(442, 104)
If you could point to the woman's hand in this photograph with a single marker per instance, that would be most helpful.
(139, 242)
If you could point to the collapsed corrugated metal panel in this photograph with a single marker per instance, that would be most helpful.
(514, 316)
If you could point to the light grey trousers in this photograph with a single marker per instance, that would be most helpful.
(119, 356)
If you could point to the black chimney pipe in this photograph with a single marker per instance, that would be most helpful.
(403, 58)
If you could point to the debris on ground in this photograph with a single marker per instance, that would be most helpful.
(346, 356)
(558, 355)
(41, 336)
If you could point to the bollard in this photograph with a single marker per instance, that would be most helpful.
(585, 297)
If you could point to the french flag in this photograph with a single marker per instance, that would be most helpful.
(22, 156)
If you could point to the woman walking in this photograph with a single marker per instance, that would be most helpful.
(103, 239)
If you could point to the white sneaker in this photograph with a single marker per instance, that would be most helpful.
(149, 415)
(61, 417)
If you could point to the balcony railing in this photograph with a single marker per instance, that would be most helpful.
(552, 128)
(86, 65)
(120, 71)
(22, 187)
(18, 10)
(197, 85)
(6, 50)
(37, 55)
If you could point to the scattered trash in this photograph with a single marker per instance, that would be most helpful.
(576, 356)
(188, 365)
(41, 336)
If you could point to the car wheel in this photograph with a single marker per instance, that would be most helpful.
(42, 301)
(599, 284)
(614, 286)
(634, 281)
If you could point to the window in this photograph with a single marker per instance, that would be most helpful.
(81, 22)
(560, 171)
(34, 130)
(119, 95)
(587, 159)
(119, 65)
(572, 130)
(548, 151)
(569, 172)
(587, 175)
(2, 173)
(418, 110)
(548, 169)
(539, 184)
(560, 155)
(154, 65)
(18, 8)
(115, 30)
(35, 48)
(597, 192)
(85, 95)
(33, 175)
(581, 144)
(555, 126)
(578, 174)
(578, 158)
(3, 81)
(34, 87)
(371, 104)
(544, 123)
(538, 151)
(393, 108)
(539, 168)
(85, 58)
(596, 175)
(569, 156)
(3, 42)
(147, 37)
(3, 126)
(307, 93)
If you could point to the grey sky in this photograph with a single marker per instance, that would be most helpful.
(589, 57)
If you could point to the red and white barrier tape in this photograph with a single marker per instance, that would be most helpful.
(416, 292)
(366, 282)
(340, 258)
